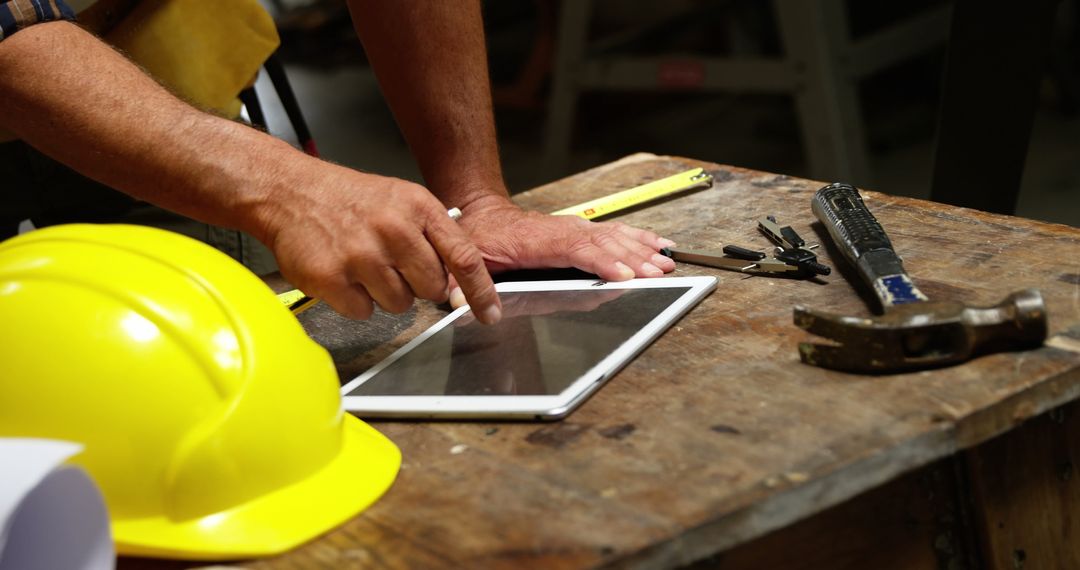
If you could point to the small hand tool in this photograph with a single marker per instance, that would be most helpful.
(913, 332)
(792, 256)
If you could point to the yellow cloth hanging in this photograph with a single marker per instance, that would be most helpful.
(205, 52)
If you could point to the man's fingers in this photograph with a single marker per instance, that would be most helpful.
(385, 286)
(651, 242)
(456, 297)
(646, 237)
(466, 264)
(351, 300)
(629, 252)
(420, 266)
(595, 259)
(655, 265)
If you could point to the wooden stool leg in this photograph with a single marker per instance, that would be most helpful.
(816, 41)
(569, 53)
(995, 64)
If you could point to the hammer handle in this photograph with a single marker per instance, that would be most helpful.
(864, 243)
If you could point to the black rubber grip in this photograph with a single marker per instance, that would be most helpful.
(793, 238)
(856, 232)
(743, 253)
(818, 268)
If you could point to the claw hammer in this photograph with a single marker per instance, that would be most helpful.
(912, 332)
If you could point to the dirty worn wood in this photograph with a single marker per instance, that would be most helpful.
(1026, 493)
(717, 434)
(1008, 503)
(912, 523)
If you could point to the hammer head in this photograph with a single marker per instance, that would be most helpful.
(923, 335)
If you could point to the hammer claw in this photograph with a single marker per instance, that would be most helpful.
(828, 325)
(923, 335)
(870, 358)
(823, 355)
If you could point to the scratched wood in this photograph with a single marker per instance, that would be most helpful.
(716, 434)
(912, 523)
(1026, 495)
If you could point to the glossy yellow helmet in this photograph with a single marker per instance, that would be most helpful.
(212, 422)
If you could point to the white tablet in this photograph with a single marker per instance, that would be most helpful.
(557, 343)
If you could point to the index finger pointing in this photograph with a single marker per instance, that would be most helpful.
(466, 264)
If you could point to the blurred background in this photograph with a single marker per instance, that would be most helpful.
(908, 98)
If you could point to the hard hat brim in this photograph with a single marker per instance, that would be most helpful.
(362, 471)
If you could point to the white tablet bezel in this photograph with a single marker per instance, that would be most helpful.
(528, 407)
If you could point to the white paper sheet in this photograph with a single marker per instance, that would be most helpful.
(51, 515)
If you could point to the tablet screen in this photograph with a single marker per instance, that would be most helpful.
(545, 341)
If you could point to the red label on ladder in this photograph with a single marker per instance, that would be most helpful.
(681, 74)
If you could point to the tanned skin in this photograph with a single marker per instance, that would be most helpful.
(431, 62)
(350, 238)
(333, 230)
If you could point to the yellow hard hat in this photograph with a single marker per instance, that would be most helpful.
(211, 421)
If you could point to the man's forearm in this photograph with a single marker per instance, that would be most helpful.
(332, 229)
(431, 63)
(77, 100)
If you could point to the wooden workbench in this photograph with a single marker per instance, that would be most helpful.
(716, 447)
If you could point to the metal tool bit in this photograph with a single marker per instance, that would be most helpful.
(792, 256)
(764, 264)
(912, 333)
(791, 248)
(785, 236)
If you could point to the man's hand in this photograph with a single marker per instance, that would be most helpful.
(431, 63)
(512, 238)
(347, 237)
(351, 238)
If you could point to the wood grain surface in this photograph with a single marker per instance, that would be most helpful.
(1028, 498)
(716, 434)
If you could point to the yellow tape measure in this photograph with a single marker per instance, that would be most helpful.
(612, 203)
(298, 302)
